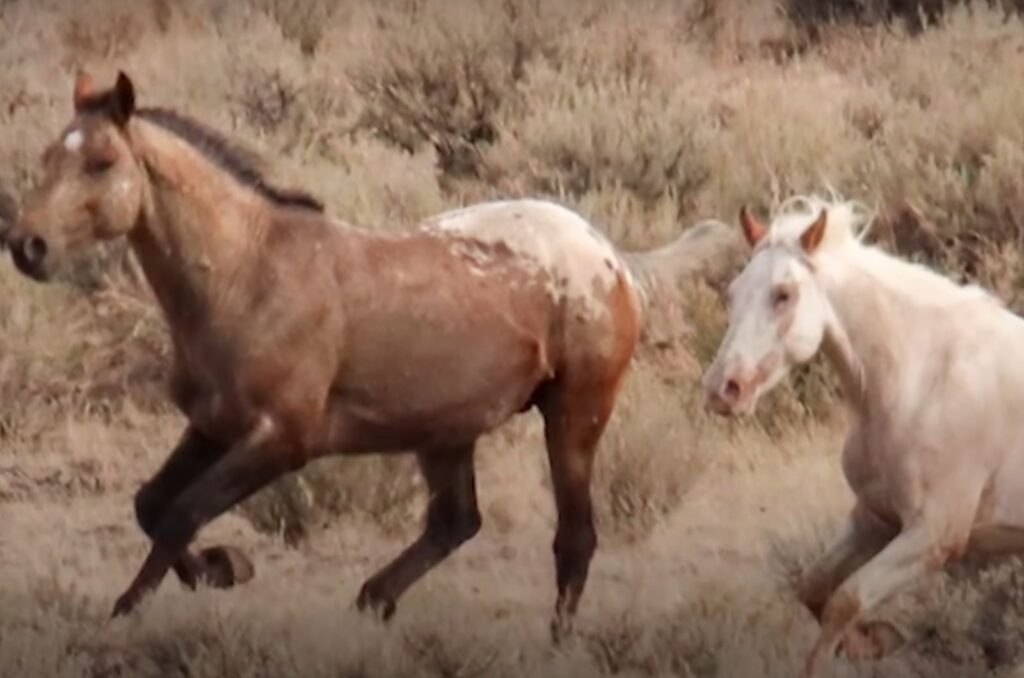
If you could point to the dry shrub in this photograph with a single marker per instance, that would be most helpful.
(916, 15)
(380, 491)
(373, 184)
(973, 618)
(61, 352)
(440, 73)
(301, 21)
(654, 451)
(598, 137)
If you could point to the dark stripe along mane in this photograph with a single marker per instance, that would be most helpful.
(237, 161)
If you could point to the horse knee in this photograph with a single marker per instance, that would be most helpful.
(453, 528)
(176, 526)
(468, 526)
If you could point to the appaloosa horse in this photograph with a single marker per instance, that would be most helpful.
(297, 337)
(934, 376)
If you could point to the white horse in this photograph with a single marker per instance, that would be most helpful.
(934, 375)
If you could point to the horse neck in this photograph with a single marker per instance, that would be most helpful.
(859, 338)
(198, 226)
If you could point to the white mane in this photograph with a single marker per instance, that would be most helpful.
(847, 224)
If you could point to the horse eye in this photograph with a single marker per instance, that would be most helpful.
(781, 297)
(96, 166)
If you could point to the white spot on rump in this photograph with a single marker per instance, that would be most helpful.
(578, 259)
(73, 140)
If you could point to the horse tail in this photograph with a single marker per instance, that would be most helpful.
(706, 250)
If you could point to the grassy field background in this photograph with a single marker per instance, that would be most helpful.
(645, 116)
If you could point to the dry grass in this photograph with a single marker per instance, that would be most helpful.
(644, 117)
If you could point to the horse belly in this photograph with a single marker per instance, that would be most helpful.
(1003, 503)
(442, 389)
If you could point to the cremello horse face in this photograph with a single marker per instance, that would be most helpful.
(777, 318)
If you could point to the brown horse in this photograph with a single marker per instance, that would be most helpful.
(297, 337)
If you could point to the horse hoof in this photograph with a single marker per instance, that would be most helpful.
(124, 605)
(870, 641)
(561, 630)
(225, 566)
(371, 603)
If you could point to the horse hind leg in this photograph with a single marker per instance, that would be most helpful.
(452, 519)
(574, 419)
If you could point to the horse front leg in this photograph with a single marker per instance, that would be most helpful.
(220, 566)
(453, 518)
(914, 553)
(862, 538)
(260, 457)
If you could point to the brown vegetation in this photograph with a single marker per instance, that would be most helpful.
(645, 117)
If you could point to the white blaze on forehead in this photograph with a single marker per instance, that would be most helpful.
(73, 140)
(579, 260)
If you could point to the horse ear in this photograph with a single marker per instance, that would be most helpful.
(123, 102)
(84, 88)
(753, 229)
(815, 233)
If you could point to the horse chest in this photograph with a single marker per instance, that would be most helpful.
(208, 407)
(882, 473)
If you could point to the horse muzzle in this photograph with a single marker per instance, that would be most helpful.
(730, 395)
(30, 254)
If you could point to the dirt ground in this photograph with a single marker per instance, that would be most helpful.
(705, 594)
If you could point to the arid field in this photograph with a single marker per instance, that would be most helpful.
(646, 117)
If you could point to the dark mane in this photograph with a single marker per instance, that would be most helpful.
(229, 156)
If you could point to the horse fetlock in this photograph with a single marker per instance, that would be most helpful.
(841, 610)
(373, 601)
(870, 640)
(562, 626)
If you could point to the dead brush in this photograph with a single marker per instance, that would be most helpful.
(599, 136)
(444, 657)
(629, 643)
(651, 456)
(116, 35)
(383, 492)
(301, 21)
(440, 77)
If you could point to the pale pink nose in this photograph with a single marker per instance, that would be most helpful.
(724, 398)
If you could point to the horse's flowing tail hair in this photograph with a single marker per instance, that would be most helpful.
(706, 249)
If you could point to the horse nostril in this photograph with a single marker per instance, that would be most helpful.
(731, 391)
(34, 248)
